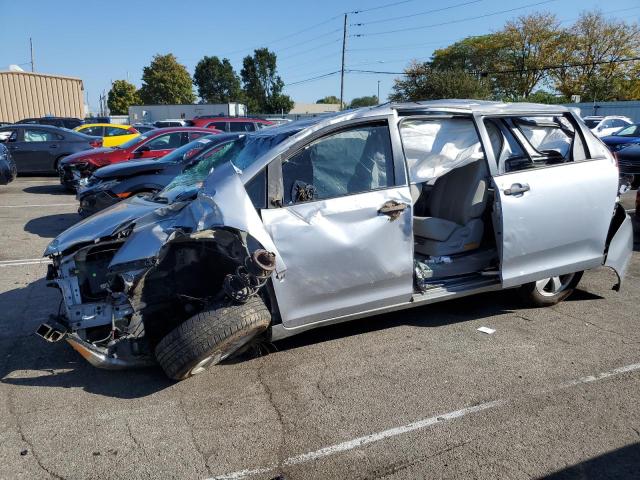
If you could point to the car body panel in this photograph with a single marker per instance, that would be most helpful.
(343, 256)
(109, 138)
(553, 205)
(8, 170)
(620, 246)
(629, 160)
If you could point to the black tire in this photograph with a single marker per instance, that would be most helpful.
(210, 336)
(536, 296)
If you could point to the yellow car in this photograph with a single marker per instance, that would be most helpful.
(111, 133)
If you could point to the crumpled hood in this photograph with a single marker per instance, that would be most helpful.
(128, 169)
(80, 156)
(102, 224)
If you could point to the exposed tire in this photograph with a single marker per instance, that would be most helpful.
(210, 336)
(549, 291)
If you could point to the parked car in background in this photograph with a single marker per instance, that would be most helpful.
(143, 127)
(603, 126)
(113, 183)
(278, 120)
(365, 212)
(112, 134)
(8, 171)
(62, 122)
(628, 158)
(97, 120)
(170, 122)
(622, 138)
(153, 144)
(41, 148)
(231, 124)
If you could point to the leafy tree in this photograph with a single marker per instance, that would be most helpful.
(363, 101)
(590, 53)
(166, 82)
(329, 99)
(422, 82)
(528, 45)
(216, 81)
(262, 84)
(122, 95)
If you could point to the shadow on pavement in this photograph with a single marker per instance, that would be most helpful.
(51, 226)
(623, 463)
(48, 190)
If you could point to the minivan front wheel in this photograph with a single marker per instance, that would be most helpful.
(551, 290)
(210, 337)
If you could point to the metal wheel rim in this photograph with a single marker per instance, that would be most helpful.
(551, 286)
(203, 364)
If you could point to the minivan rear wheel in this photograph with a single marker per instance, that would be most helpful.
(549, 291)
(210, 337)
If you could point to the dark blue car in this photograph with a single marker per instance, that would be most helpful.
(622, 138)
(113, 183)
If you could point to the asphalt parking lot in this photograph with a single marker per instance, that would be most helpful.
(553, 393)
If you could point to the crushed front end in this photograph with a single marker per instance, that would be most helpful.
(131, 274)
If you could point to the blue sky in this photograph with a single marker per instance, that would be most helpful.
(104, 41)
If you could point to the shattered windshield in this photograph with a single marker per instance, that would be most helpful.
(241, 152)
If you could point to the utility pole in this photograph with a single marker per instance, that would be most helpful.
(344, 47)
(33, 68)
(378, 92)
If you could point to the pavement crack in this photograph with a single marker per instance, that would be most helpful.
(278, 412)
(596, 326)
(403, 465)
(196, 445)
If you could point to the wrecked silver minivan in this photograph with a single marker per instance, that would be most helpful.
(364, 212)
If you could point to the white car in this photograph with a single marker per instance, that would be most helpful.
(604, 126)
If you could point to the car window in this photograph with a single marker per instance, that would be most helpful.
(434, 147)
(508, 153)
(257, 190)
(33, 135)
(193, 135)
(9, 135)
(619, 123)
(218, 125)
(93, 131)
(115, 131)
(241, 127)
(631, 131)
(591, 123)
(168, 141)
(551, 140)
(351, 161)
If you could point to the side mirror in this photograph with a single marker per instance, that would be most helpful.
(141, 150)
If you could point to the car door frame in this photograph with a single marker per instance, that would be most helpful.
(499, 199)
(44, 153)
(275, 196)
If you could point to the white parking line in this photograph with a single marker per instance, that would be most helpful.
(40, 205)
(24, 261)
(418, 425)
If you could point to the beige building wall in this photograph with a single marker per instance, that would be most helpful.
(26, 94)
(310, 108)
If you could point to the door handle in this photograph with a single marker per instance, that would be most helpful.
(517, 188)
(392, 209)
(53, 146)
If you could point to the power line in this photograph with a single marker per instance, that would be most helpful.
(310, 49)
(393, 4)
(524, 70)
(313, 78)
(454, 21)
(425, 12)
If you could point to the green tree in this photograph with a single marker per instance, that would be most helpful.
(166, 82)
(528, 45)
(121, 96)
(590, 54)
(216, 81)
(363, 101)
(330, 99)
(262, 84)
(422, 82)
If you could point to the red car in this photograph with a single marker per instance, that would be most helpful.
(153, 144)
(230, 124)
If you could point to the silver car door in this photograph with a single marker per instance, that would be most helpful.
(555, 201)
(344, 229)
